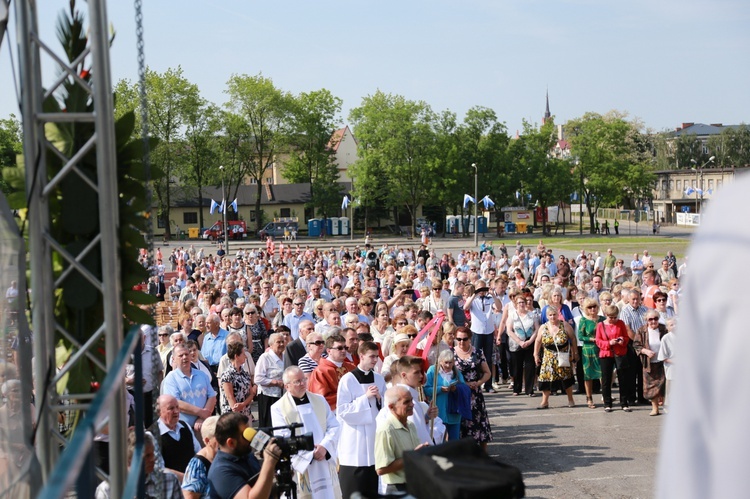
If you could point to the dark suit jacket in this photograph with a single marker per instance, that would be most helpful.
(294, 351)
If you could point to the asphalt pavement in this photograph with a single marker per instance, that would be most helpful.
(575, 452)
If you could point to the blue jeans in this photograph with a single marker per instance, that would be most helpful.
(485, 343)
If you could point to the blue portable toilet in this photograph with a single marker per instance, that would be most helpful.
(510, 227)
(329, 226)
(482, 227)
(313, 227)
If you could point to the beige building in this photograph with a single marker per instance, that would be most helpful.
(344, 146)
(689, 190)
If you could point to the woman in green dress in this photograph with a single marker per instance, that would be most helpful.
(590, 352)
(555, 336)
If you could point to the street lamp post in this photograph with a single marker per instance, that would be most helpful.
(476, 200)
(224, 202)
(699, 186)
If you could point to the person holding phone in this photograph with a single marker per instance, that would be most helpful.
(612, 339)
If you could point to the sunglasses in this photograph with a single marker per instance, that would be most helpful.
(319, 342)
(298, 304)
(462, 339)
(163, 335)
(652, 319)
(412, 336)
(660, 300)
(250, 313)
(339, 348)
(591, 307)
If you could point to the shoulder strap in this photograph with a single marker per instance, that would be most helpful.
(205, 461)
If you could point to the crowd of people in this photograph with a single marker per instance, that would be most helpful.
(337, 340)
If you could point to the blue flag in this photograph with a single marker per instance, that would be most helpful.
(234, 205)
(214, 205)
(345, 203)
(488, 203)
(468, 199)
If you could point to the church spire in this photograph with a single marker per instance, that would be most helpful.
(547, 114)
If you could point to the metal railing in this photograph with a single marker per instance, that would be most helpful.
(75, 465)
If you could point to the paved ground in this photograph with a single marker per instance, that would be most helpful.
(575, 452)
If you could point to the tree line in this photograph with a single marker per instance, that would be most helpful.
(409, 155)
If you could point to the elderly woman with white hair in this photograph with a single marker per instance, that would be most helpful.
(268, 372)
(647, 343)
(195, 483)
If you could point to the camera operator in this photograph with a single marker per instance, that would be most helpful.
(234, 466)
(316, 475)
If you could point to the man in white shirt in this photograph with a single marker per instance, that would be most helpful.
(177, 442)
(482, 326)
(359, 399)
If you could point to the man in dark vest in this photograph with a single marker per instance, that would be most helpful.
(176, 440)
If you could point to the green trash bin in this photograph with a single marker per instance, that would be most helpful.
(183, 235)
(529, 229)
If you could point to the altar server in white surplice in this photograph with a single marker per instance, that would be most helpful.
(359, 399)
(315, 470)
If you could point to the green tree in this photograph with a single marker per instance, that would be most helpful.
(731, 147)
(265, 110)
(398, 136)
(172, 99)
(314, 119)
(607, 154)
(545, 178)
(203, 125)
(688, 148)
(11, 146)
(483, 141)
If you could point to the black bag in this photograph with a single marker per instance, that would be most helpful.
(460, 470)
(621, 362)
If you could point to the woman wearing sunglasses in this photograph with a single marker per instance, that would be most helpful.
(647, 343)
(315, 348)
(589, 351)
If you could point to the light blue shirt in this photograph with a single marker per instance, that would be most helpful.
(214, 347)
(292, 322)
(194, 389)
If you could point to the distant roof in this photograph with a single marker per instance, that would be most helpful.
(281, 194)
(338, 136)
(702, 129)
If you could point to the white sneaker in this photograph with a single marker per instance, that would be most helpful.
(496, 385)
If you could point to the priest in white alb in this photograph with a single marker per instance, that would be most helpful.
(316, 475)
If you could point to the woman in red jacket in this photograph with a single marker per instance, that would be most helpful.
(612, 339)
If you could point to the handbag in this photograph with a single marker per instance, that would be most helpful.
(563, 358)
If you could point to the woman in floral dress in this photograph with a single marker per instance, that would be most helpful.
(555, 335)
(237, 386)
(476, 372)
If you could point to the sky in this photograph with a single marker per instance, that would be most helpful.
(664, 62)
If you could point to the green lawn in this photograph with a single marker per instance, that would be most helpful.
(622, 246)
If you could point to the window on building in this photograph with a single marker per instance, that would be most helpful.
(705, 150)
(190, 217)
(679, 185)
(268, 180)
(253, 181)
(664, 184)
(252, 215)
(718, 184)
(285, 212)
(710, 183)
(161, 223)
(695, 184)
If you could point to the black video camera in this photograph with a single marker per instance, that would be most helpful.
(293, 444)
